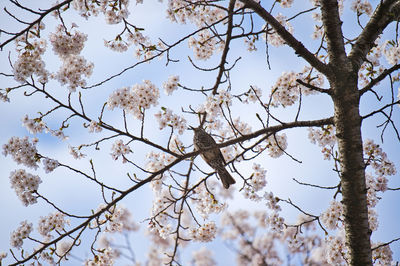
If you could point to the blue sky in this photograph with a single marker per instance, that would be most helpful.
(75, 194)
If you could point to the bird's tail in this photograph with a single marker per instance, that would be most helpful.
(226, 178)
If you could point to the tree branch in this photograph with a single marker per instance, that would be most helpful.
(379, 78)
(314, 88)
(290, 40)
(226, 47)
(386, 12)
(333, 32)
(42, 15)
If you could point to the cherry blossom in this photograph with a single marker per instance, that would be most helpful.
(20, 234)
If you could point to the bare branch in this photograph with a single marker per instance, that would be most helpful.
(298, 47)
(387, 12)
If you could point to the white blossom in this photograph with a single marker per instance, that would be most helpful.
(25, 185)
(136, 99)
(120, 149)
(204, 233)
(331, 217)
(171, 85)
(22, 151)
(20, 234)
(52, 222)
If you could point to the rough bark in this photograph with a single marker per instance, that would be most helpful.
(344, 83)
(342, 73)
(348, 132)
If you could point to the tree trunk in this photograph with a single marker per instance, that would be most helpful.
(348, 132)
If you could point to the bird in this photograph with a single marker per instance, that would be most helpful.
(213, 157)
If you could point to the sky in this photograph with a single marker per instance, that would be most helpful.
(77, 195)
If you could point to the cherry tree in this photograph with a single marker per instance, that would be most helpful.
(345, 54)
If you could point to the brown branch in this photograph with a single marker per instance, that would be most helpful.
(226, 47)
(384, 14)
(290, 40)
(333, 32)
(380, 110)
(387, 243)
(41, 17)
(379, 78)
(314, 88)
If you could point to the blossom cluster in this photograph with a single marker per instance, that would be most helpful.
(157, 161)
(68, 47)
(242, 127)
(382, 255)
(63, 247)
(362, 7)
(325, 137)
(22, 151)
(251, 44)
(255, 183)
(286, 91)
(4, 97)
(205, 202)
(162, 221)
(372, 67)
(182, 11)
(204, 45)
(22, 232)
(171, 84)
(72, 70)
(114, 11)
(256, 245)
(272, 201)
(143, 45)
(392, 52)
(275, 222)
(53, 222)
(120, 149)
(253, 94)
(29, 60)
(25, 184)
(295, 241)
(104, 258)
(203, 257)
(117, 44)
(213, 104)
(167, 118)
(336, 249)
(116, 15)
(333, 215)
(119, 220)
(374, 185)
(272, 37)
(136, 99)
(204, 233)
(276, 145)
(378, 159)
(76, 152)
(37, 125)
(50, 164)
(65, 43)
(176, 145)
(94, 127)
(286, 3)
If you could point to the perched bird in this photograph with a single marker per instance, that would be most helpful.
(202, 140)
